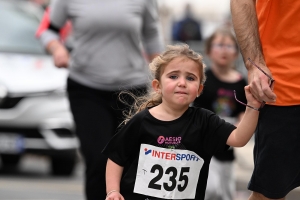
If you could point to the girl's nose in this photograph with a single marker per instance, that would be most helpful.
(181, 82)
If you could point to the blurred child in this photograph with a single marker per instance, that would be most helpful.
(218, 97)
(164, 149)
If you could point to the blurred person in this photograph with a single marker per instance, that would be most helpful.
(111, 41)
(218, 97)
(188, 28)
(164, 149)
(268, 36)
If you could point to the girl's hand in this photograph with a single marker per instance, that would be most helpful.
(251, 99)
(115, 196)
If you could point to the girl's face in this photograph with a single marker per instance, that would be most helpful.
(180, 83)
(223, 51)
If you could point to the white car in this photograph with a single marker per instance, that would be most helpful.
(34, 110)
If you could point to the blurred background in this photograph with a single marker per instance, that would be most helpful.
(38, 148)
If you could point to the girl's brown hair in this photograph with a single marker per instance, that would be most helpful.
(157, 66)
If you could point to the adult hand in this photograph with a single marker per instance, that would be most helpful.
(259, 84)
(59, 54)
(61, 57)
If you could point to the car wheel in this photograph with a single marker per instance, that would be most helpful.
(63, 165)
(10, 160)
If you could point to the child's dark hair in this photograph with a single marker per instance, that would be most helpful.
(157, 66)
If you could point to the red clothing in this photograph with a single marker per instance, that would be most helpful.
(64, 32)
(279, 29)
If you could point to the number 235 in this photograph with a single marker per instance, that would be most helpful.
(172, 179)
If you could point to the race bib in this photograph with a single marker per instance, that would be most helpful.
(167, 173)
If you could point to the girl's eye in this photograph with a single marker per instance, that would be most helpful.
(173, 77)
(190, 78)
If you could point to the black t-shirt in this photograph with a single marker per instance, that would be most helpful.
(218, 97)
(200, 130)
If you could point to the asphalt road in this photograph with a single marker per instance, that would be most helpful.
(32, 181)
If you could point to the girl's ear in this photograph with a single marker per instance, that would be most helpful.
(156, 85)
(200, 89)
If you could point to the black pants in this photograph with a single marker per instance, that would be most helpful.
(97, 115)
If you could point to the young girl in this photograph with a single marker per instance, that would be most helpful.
(218, 97)
(164, 150)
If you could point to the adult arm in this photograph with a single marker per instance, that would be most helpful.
(113, 178)
(245, 25)
(59, 53)
(151, 31)
(50, 37)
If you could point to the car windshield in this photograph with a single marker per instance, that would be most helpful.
(19, 22)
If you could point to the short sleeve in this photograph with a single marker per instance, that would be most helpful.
(127, 141)
(58, 12)
(217, 133)
(151, 30)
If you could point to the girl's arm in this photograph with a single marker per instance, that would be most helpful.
(245, 129)
(113, 178)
